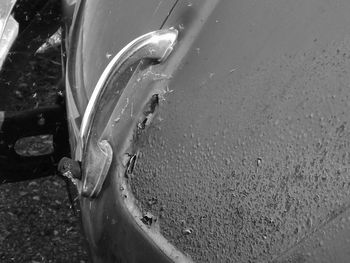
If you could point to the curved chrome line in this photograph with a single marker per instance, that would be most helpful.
(107, 151)
(154, 45)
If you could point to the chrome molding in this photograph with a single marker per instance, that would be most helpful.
(98, 154)
(155, 45)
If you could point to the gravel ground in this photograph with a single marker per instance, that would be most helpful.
(36, 221)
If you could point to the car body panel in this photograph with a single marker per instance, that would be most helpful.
(237, 155)
(330, 243)
(89, 52)
(111, 233)
(247, 156)
(94, 19)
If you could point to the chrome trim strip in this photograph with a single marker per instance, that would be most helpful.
(155, 45)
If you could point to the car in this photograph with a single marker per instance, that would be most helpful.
(201, 131)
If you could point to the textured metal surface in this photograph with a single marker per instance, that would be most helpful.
(112, 232)
(248, 156)
(246, 159)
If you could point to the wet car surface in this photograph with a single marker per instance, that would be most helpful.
(226, 142)
(249, 154)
